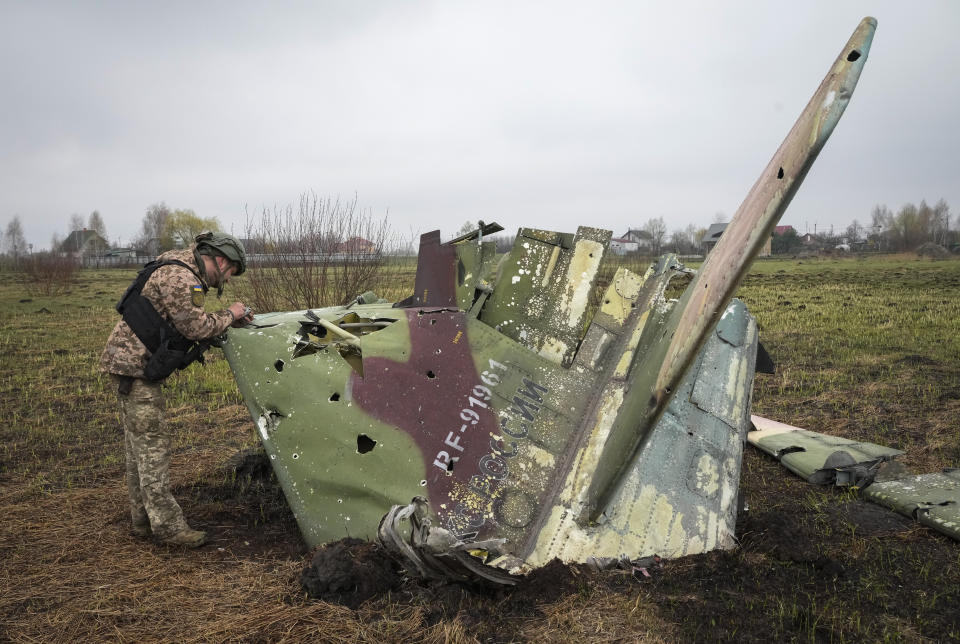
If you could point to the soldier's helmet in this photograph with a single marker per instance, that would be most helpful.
(222, 244)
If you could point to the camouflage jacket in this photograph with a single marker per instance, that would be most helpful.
(171, 291)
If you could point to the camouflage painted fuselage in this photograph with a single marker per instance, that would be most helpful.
(520, 412)
(498, 411)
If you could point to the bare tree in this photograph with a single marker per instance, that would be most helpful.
(657, 229)
(326, 253)
(76, 223)
(505, 243)
(853, 231)
(467, 227)
(881, 221)
(151, 228)
(678, 242)
(14, 243)
(95, 223)
(941, 216)
(696, 234)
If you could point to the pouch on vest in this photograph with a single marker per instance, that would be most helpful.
(163, 362)
(168, 348)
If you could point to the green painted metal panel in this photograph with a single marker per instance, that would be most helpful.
(819, 458)
(931, 499)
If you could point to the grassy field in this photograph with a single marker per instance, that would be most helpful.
(864, 349)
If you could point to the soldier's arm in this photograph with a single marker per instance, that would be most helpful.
(174, 298)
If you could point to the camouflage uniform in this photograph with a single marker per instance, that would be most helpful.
(173, 292)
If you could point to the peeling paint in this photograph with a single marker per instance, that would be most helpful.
(507, 414)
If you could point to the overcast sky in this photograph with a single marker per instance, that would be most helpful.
(546, 114)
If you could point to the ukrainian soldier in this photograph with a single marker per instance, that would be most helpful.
(165, 328)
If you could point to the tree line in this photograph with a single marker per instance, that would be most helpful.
(163, 228)
(911, 226)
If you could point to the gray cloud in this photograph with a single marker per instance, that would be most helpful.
(545, 114)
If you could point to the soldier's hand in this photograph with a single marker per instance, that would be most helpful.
(242, 315)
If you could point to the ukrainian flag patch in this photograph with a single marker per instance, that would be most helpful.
(196, 295)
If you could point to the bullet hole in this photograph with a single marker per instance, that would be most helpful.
(433, 321)
(278, 365)
(452, 462)
(334, 397)
(606, 301)
(853, 55)
(780, 173)
(365, 444)
(423, 483)
(295, 456)
(430, 374)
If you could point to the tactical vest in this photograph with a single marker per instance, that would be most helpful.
(169, 350)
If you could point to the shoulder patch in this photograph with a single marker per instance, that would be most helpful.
(196, 295)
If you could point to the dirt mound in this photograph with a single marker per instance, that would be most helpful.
(349, 572)
(252, 463)
(936, 251)
(917, 360)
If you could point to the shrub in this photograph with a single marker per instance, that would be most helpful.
(326, 253)
(51, 273)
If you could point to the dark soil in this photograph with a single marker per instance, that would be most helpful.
(350, 572)
(242, 508)
(831, 564)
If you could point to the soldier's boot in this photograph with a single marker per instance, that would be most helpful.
(141, 529)
(188, 538)
(141, 522)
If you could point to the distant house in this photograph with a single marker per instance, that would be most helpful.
(783, 230)
(81, 243)
(641, 238)
(715, 232)
(632, 241)
(356, 245)
(622, 246)
(712, 236)
(809, 239)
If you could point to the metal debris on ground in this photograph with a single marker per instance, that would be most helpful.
(931, 499)
(820, 458)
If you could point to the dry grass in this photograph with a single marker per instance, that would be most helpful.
(72, 573)
(69, 571)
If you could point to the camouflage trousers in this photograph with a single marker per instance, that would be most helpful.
(147, 441)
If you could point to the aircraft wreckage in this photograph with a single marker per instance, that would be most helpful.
(493, 420)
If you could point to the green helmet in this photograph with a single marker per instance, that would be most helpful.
(217, 243)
